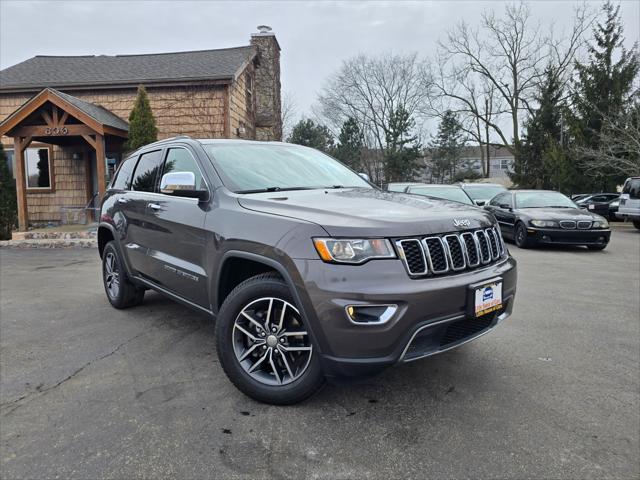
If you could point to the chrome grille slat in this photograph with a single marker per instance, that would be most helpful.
(493, 243)
(408, 248)
(472, 250)
(455, 252)
(451, 252)
(568, 224)
(436, 254)
(483, 244)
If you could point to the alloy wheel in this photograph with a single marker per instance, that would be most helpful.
(111, 275)
(520, 236)
(270, 342)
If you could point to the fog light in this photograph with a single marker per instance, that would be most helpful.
(370, 314)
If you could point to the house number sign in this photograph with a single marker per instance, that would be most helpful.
(56, 131)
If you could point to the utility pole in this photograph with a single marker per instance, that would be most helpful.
(486, 129)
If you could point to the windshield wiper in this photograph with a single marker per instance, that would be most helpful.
(275, 189)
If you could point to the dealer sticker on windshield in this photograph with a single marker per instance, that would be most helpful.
(488, 298)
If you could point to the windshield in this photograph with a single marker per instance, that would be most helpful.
(448, 193)
(252, 167)
(478, 192)
(542, 199)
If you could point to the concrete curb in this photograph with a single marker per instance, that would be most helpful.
(50, 243)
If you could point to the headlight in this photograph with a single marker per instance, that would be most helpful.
(601, 224)
(353, 250)
(544, 223)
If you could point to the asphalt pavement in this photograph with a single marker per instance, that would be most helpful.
(89, 392)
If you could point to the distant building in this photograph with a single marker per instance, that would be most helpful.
(501, 161)
(63, 119)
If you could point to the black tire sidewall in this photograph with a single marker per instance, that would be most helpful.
(520, 226)
(119, 301)
(254, 288)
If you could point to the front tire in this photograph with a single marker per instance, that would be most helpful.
(121, 293)
(596, 247)
(520, 237)
(636, 223)
(263, 345)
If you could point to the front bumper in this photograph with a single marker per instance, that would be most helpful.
(560, 236)
(429, 310)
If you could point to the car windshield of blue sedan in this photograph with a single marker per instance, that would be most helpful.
(447, 193)
(542, 200)
(252, 168)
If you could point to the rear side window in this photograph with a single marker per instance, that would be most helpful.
(123, 178)
(146, 175)
(181, 160)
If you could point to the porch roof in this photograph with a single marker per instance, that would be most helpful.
(98, 118)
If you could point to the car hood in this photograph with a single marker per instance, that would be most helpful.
(559, 214)
(369, 212)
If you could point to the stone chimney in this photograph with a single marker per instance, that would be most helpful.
(267, 85)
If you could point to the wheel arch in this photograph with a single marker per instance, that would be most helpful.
(268, 264)
(105, 235)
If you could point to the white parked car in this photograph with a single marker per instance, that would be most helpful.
(629, 207)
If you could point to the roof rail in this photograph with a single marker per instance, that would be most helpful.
(177, 137)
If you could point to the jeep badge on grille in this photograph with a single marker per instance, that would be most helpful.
(461, 222)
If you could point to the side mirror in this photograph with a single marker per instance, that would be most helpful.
(365, 176)
(181, 184)
(506, 206)
(480, 203)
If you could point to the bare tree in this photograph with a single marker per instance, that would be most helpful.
(619, 146)
(499, 65)
(370, 90)
(288, 112)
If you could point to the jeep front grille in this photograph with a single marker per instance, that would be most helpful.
(451, 252)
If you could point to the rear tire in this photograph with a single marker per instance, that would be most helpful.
(636, 223)
(520, 236)
(257, 356)
(121, 293)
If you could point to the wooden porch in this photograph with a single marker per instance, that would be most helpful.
(55, 118)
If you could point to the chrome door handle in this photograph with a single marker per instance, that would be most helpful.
(154, 206)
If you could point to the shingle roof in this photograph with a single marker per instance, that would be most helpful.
(98, 113)
(58, 72)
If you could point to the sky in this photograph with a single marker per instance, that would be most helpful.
(315, 36)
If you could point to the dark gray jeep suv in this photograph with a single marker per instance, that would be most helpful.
(309, 271)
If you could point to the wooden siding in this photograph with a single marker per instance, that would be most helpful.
(240, 116)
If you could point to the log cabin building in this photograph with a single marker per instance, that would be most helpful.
(63, 120)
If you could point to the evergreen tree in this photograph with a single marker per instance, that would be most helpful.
(306, 132)
(350, 144)
(402, 154)
(8, 202)
(142, 125)
(540, 152)
(604, 89)
(447, 148)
